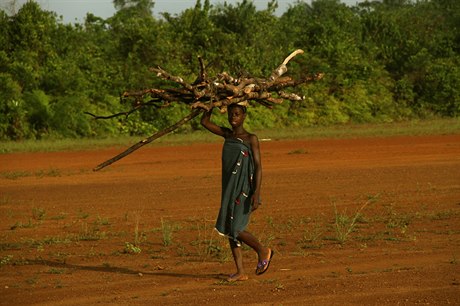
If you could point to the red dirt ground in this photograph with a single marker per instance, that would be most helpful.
(64, 228)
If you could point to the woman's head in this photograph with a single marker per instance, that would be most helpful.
(236, 115)
(242, 107)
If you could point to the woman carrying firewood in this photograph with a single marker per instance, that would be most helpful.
(241, 182)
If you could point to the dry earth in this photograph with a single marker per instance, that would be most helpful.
(69, 236)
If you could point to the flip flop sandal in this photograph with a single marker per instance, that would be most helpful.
(263, 265)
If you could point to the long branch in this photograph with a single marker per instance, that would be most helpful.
(145, 141)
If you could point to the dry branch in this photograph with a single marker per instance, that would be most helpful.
(145, 141)
(206, 93)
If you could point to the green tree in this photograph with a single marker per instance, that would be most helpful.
(31, 32)
(194, 34)
(138, 8)
(12, 113)
(136, 45)
(5, 32)
(251, 37)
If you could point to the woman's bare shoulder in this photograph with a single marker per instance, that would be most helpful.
(253, 138)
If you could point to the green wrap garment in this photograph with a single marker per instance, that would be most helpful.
(237, 188)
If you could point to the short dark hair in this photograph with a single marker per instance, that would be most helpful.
(243, 108)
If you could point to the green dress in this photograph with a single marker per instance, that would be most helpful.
(237, 188)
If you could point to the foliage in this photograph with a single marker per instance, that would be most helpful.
(384, 61)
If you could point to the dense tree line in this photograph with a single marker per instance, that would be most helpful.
(383, 61)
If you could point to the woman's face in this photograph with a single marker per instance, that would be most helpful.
(236, 116)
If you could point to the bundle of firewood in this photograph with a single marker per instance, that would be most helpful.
(206, 93)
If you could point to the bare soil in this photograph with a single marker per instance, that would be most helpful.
(370, 221)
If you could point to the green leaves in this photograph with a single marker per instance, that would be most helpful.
(383, 61)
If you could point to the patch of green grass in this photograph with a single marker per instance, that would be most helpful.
(56, 240)
(298, 151)
(224, 282)
(53, 145)
(288, 225)
(48, 173)
(83, 215)
(278, 286)
(58, 284)
(14, 175)
(167, 230)
(414, 127)
(207, 246)
(33, 280)
(19, 224)
(166, 293)
(395, 221)
(139, 236)
(311, 236)
(219, 249)
(400, 222)
(454, 260)
(131, 248)
(38, 213)
(102, 221)
(443, 215)
(268, 281)
(90, 234)
(57, 271)
(345, 224)
(106, 265)
(49, 240)
(266, 238)
(181, 250)
(5, 260)
(270, 221)
(60, 216)
(10, 246)
(344, 131)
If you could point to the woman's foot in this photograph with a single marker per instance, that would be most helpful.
(264, 261)
(237, 278)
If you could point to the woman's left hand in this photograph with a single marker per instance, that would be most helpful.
(255, 202)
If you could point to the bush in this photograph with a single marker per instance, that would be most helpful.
(13, 123)
(439, 89)
(38, 112)
(68, 119)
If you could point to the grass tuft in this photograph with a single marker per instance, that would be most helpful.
(344, 224)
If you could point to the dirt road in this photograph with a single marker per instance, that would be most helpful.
(141, 231)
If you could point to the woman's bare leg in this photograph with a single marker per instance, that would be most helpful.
(249, 239)
(238, 257)
(263, 253)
